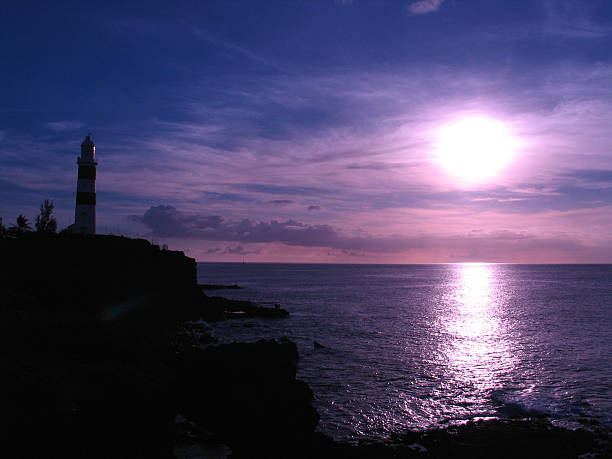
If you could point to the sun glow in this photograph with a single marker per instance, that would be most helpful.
(474, 148)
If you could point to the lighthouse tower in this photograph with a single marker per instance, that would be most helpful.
(85, 212)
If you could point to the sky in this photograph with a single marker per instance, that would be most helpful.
(310, 130)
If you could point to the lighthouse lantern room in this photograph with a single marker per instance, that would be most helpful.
(85, 212)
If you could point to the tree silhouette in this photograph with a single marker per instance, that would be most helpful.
(45, 223)
(22, 224)
(3, 230)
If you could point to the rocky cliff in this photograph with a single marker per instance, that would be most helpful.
(98, 362)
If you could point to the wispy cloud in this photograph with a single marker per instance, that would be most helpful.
(239, 250)
(377, 165)
(234, 49)
(373, 151)
(64, 125)
(573, 19)
(425, 6)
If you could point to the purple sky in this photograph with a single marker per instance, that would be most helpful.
(306, 130)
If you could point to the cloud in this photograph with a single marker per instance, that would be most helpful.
(280, 189)
(345, 253)
(281, 202)
(377, 165)
(495, 245)
(425, 6)
(573, 20)
(239, 250)
(314, 207)
(233, 48)
(221, 149)
(64, 125)
(167, 221)
(226, 197)
(597, 177)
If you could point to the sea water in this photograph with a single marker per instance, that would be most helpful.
(425, 346)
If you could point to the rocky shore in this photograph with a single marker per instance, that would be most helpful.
(219, 287)
(104, 359)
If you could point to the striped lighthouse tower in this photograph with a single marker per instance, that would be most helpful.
(85, 212)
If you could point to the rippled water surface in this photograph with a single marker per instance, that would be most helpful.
(419, 346)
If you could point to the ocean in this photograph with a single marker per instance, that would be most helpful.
(425, 346)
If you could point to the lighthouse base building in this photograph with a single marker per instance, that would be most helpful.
(85, 210)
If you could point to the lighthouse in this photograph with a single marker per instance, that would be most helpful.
(85, 212)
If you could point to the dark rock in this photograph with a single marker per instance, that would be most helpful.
(510, 439)
(105, 275)
(90, 325)
(248, 394)
(218, 287)
(219, 308)
(192, 334)
(318, 345)
(478, 440)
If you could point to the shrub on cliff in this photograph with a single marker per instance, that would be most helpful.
(3, 230)
(45, 223)
(21, 225)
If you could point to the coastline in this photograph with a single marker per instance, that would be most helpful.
(87, 378)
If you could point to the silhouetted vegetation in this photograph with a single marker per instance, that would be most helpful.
(21, 225)
(3, 230)
(45, 223)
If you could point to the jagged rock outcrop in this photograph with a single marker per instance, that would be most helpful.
(504, 439)
(249, 395)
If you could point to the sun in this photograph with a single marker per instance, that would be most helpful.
(474, 148)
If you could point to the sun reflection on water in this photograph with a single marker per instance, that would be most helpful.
(477, 351)
(473, 295)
